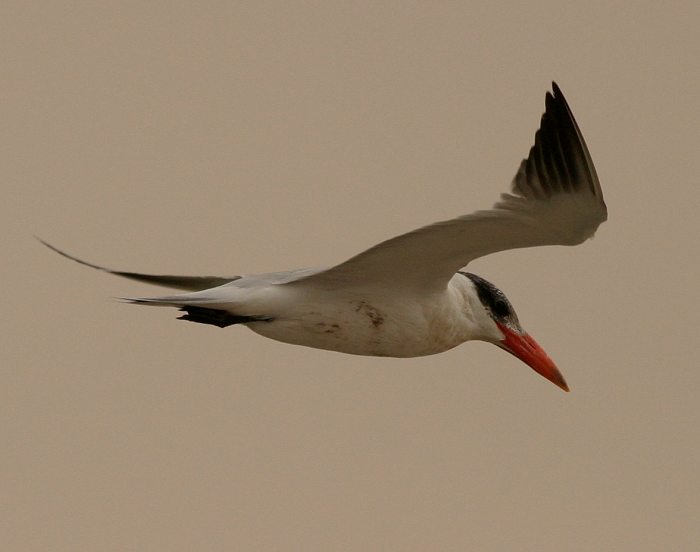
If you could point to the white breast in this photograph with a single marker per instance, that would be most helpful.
(367, 323)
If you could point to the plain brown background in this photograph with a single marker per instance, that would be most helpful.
(226, 137)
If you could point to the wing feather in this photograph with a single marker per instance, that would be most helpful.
(555, 199)
(189, 283)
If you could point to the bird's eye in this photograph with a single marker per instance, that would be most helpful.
(500, 308)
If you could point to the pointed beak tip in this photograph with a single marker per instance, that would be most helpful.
(553, 374)
(528, 350)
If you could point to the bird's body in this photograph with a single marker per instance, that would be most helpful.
(350, 320)
(406, 297)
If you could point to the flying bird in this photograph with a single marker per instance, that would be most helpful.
(406, 296)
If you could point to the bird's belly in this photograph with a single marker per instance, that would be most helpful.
(363, 328)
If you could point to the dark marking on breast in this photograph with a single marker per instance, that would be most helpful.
(328, 328)
(375, 316)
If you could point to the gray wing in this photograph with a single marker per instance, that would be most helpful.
(189, 283)
(555, 199)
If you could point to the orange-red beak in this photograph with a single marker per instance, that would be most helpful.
(528, 350)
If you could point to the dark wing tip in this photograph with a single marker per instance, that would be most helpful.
(67, 256)
(188, 283)
(559, 162)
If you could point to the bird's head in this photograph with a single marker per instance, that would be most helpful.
(498, 324)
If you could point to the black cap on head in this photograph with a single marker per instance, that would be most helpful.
(494, 301)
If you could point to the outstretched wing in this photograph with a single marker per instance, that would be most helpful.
(189, 283)
(555, 199)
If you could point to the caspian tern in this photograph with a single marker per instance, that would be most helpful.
(407, 297)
